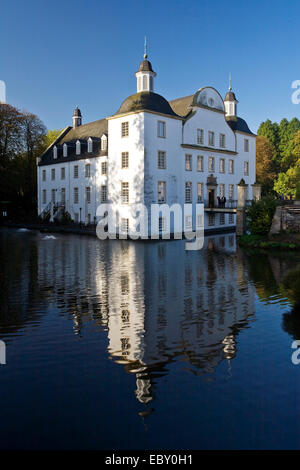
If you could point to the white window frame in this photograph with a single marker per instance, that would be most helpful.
(161, 160)
(200, 136)
(188, 162)
(125, 192)
(125, 129)
(211, 164)
(161, 129)
(76, 195)
(211, 138)
(124, 160)
(161, 192)
(222, 165)
(200, 163)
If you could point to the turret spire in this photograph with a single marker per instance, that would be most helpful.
(229, 82)
(145, 53)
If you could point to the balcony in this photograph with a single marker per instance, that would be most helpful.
(229, 206)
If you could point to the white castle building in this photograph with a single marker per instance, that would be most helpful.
(186, 151)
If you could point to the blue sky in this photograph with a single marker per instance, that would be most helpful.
(59, 54)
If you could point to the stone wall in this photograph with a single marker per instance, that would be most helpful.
(286, 218)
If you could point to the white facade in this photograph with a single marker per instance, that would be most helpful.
(154, 148)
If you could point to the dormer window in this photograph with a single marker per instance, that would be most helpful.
(54, 151)
(90, 145)
(104, 142)
(78, 147)
(65, 150)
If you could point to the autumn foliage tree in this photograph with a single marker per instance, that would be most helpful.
(23, 137)
(264, 163)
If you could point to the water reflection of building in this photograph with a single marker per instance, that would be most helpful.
(157, 301)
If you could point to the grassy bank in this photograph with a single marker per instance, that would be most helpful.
(282, 241)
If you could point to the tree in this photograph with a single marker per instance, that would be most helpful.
(265, 173)
(286, 182)
(287, 133)
(270, 130)
(48, 139)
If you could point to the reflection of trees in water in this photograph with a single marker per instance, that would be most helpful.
(291, 287)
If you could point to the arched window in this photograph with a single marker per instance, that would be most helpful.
(151, 83)
(54, 151)
(144, 82)
(65, 150)
(104, 142)
(139, 83)
(90, 145)
(78, 147)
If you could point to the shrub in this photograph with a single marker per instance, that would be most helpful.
(298, 191)
(260, 215)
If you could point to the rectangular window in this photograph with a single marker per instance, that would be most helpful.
(222, 189)
(231, 191)
(200, 192)
(188, 162)
(63, 195)
(125, 160)
(161, 160)
(188, 220)
(211, 219)
(246, 145)
(76, 196)
(246, 168)
(211, 164)
(53, 174)
(76, 171)
(125, 192)
(87, 170)
(124, 225)
(53, 196)
(188, 191)
(222, 165)
(200, 163)
(62, 173)
(88, 194)
(162, 224)
(103, 193)
(200, 137)
(103, 168)
(222, 219)
(231, 167)
(231, 218)
(44, 196)
(44, 175)
(161, 129)
(161, 192)
(222, 141)
(125, 129)
(211, 138)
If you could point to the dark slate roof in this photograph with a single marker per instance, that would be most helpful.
(148, 101)
(95, 130)
(182, 106)
(230, 96)
(92, 129)
(238, 124)
(77, 112)
(145, 66)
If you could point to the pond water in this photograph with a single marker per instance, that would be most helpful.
(144, 345)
